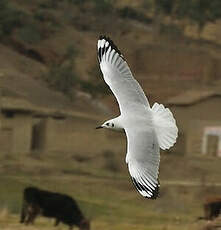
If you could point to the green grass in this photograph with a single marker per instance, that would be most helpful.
(108, 198)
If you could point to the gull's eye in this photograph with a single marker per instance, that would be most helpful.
(112, 124)
(107, 124)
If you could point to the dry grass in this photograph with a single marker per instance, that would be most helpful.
(11, 223)
(108, 198)
(4, 214)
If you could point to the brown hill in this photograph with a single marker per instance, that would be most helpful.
(165, 67)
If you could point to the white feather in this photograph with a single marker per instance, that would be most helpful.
(164, 125)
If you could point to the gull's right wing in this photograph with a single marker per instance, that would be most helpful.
(143, 159)
(119, 78)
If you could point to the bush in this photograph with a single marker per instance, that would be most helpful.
(62, 77)
(30, 33)
(10, 18)
(77, 2)
(45, 21)
(71, 53)
(42, 15)
(96, 86)
(128, 12)
(94, 89)
(49, 4)
(103, 6)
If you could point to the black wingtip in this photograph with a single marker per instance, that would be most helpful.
(104, 37)
(142, 188)
(111, 44)
(156, 193)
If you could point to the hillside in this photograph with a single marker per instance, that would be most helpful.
(177, 63)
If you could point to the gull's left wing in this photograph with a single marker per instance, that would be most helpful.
(119, 78)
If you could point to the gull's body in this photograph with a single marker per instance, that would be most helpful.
(147, 129)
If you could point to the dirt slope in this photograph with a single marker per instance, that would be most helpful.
(165, 67)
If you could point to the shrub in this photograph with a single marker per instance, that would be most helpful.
(71, 53)
(103, 6)
(62, 77)
(49, 4)
(77, 2)
(45, 22)
(94, 89)
(42, 15)
(96, 86)
(10, 18)
(128, 12)
(30, 33)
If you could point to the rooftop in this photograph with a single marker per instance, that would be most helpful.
(194, 96)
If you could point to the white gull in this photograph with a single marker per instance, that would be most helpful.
(147, 129)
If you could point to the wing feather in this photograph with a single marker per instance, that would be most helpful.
(143, 159)
(118, 76)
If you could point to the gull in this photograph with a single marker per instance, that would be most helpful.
(148, 129)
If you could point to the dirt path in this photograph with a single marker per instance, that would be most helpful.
(189, 183)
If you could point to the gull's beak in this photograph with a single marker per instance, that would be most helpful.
(99, 127)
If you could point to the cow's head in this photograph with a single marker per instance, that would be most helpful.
(84, 224)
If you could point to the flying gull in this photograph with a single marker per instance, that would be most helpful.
(147, 128)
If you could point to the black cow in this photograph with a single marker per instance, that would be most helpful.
(53, 205)
(212, 208)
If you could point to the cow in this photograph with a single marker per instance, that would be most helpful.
(53, 205)
(212, 208)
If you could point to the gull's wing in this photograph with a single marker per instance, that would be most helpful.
(143, 159)
(118, 76)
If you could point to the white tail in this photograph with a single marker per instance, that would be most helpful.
(164, 125)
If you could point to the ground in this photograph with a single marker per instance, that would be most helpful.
(106, 195)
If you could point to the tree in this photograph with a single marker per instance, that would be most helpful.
(199, 11)
(164, 6)
(10, 18)
(161, 8)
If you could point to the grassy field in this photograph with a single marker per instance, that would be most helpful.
(106, 194)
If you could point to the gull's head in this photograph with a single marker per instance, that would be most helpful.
(111, 124)
(107, 125)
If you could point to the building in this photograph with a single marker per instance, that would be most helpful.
(29, 128)
(198, 115)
